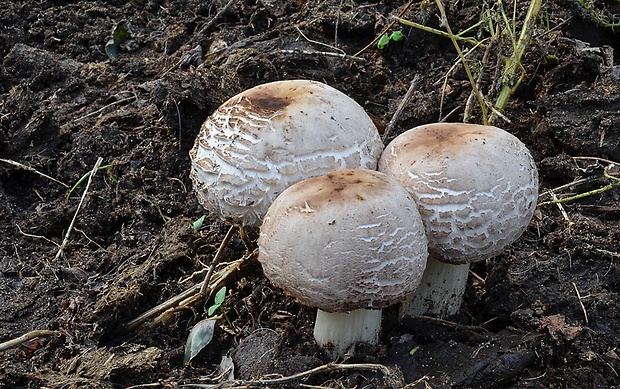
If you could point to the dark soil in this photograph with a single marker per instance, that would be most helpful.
(544, 314)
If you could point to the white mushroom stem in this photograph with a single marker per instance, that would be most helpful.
(440, 292)
(338, 331)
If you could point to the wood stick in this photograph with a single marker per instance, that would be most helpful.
(26, 337)
(90, 179)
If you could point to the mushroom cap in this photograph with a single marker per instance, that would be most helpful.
(262, 140)
(476, 186)
(347, 240)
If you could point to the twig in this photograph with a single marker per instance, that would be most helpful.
(452, 324)
(337, 24)
(205, 284)
(103, 108)
(325, 53)
(216, 17)
(36, 236)
(90, 179)
(319, 43)
(453, 38)
(570, 185)
(417, 79)
(437, 32)
(330, 367)
(386, 29)
(513, 64)
(445, 83)
(26, 337)
(606, 188)
(599, 159)
(30, 169)
(583, 308)
(190, 296)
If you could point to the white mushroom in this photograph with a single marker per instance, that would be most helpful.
(476, 188)
(263, 140)
(348, 243)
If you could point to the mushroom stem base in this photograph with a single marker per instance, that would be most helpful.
(338, 331)
(440, 292)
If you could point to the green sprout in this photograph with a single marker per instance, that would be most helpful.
(202, 333)
(120, 34)
(396, 36)
(197, 225)
(84, 177)
(220, 296)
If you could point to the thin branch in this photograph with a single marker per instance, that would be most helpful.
(104, 108)
(330, 367)
(26, 337)
(452, 324)
(415, 83)
(216, 17)
(437, 32)
(90, 179)
(599, 159)
(319, 43)
(190, 296)
(581, 195)
(36, 236)
(33, 170)
(324, 53)
(453, 38)
(583, 308)
(510, 81)
(216, 259)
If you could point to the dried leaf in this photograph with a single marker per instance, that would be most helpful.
(558, 329)
(198, 338)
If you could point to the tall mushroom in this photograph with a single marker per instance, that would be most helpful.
(348, 243)
(262, 140)
(476, 188)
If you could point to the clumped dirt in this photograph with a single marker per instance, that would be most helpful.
(544, 313)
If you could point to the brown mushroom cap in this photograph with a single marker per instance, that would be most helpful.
(347, 240)
(476, 186)
(263, 140)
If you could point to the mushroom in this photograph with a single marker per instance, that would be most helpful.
(262, 140)
(348, 243)
(476, 188)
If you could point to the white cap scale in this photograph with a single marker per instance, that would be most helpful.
(476, 188)
(263, 140)
(346, 242)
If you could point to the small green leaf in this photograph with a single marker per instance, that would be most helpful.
(397, 36)
(383, 41)
(120, 34)
(197, 225)
(220, 296)
(414, 350)
(198, 338)
(212, 309)
(84, 177)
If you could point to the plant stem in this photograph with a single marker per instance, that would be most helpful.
(472, 81)
(513, 65)
(437, 32)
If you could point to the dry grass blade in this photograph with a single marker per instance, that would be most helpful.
(472, 81)
(614, 184)
(389, 376)
(191, 296)
(26, 337)
(415, 83)
(90, 179)
(28, 168)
